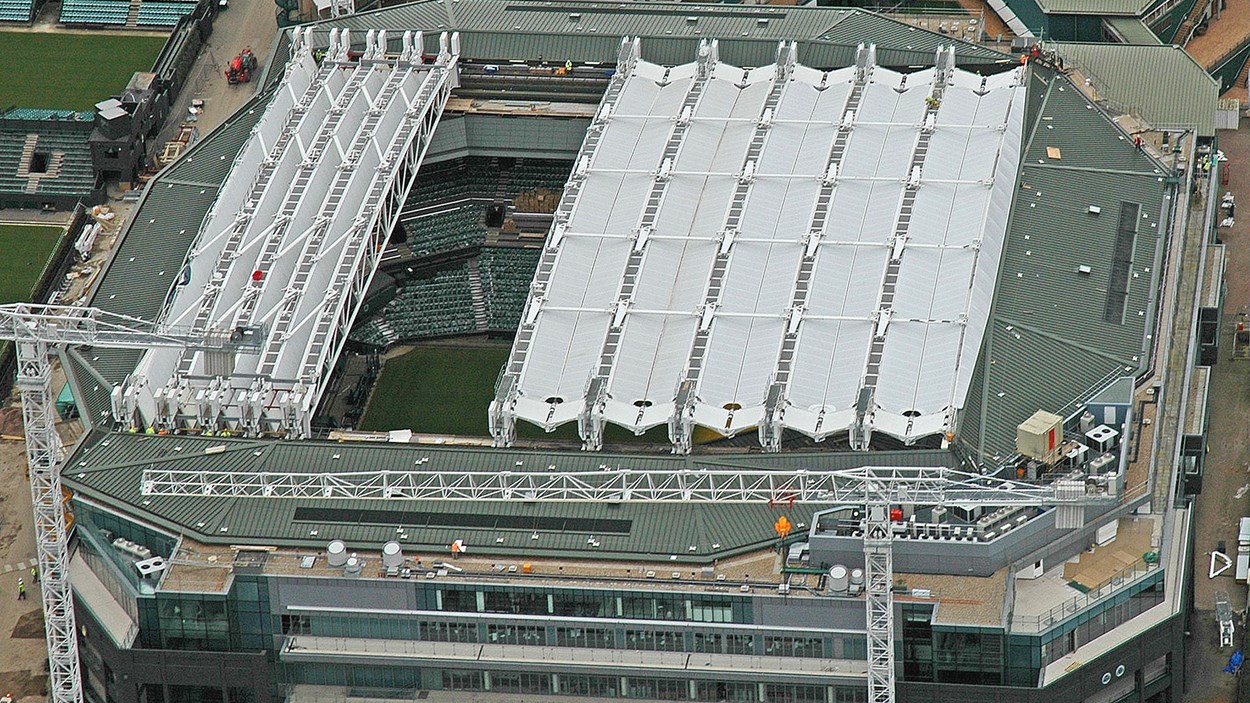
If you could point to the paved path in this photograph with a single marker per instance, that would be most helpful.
(1227, 465)
(23, 566)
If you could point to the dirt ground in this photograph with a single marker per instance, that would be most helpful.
(22, 666)
(1226, 483)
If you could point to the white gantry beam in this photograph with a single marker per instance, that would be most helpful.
(896, 485)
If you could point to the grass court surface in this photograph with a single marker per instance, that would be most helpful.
(71, 71)
(437, 389)
(24, 253)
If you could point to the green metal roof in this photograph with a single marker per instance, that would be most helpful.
(107, 468)
(1133, 30)
(1132, 8)
(1048, 346)
(1163, 84)
(592, 31)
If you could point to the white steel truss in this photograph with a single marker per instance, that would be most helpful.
(296, 235)
(920, 486)
(35, 329)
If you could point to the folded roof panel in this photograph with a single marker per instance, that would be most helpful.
(790, 239)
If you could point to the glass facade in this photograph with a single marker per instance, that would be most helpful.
(989, 656)
(594, 685)
(681, 607)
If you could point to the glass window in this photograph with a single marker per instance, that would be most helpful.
(791, 693)
(458, 601)
(707, 642)
(296, 624)
(448, 632)
(793, 647)
(651, 640)
(519, 682)
(584, 605)
(740, 644)
(457, 680)
(711, 610)
(847, 694)
(585, 637)
(659, 689)
(521, 603)
(726, 691)
(584, 685)
(516, 634)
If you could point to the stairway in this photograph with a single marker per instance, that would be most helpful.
(132, 16)
(479, 295)
(54, 164)
(1242, 77)
(28, 151)
(1186, 29)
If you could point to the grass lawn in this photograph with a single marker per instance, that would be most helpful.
(24, 252)
(71, 71)
(436, 390)
(446, 390)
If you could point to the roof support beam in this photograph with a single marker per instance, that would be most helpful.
(330, 205)
(502, 415)
(770, 430)
(908, 485)
(681, 422)
(861, 433)
(590, 421)
(243, 222)
(384, 199)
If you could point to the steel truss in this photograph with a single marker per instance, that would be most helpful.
(35, 328)
(920, 486)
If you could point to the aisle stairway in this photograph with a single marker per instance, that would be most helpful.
(479, 295)
(1186, 30)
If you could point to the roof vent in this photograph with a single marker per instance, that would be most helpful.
(336, 553)
(691, 19)
(575, 16)
(392, 555)
(763, 21)
(1094, 209)
(1084, 270)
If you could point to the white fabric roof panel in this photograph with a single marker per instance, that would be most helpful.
(287, 240)
(929, 325)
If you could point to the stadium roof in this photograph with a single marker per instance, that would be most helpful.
(1018, 373)
(108, 468)
(559, 30)
(293, 238)
(1174, 90)
(775, 246)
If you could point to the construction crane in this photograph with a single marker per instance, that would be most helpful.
(876, 488)
(35, 331)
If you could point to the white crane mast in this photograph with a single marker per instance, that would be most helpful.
(877, 488)
(35, 329)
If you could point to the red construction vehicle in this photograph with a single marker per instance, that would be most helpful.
(241, 67)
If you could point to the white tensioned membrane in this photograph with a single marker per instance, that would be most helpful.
(743, 247)
(294, 237)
